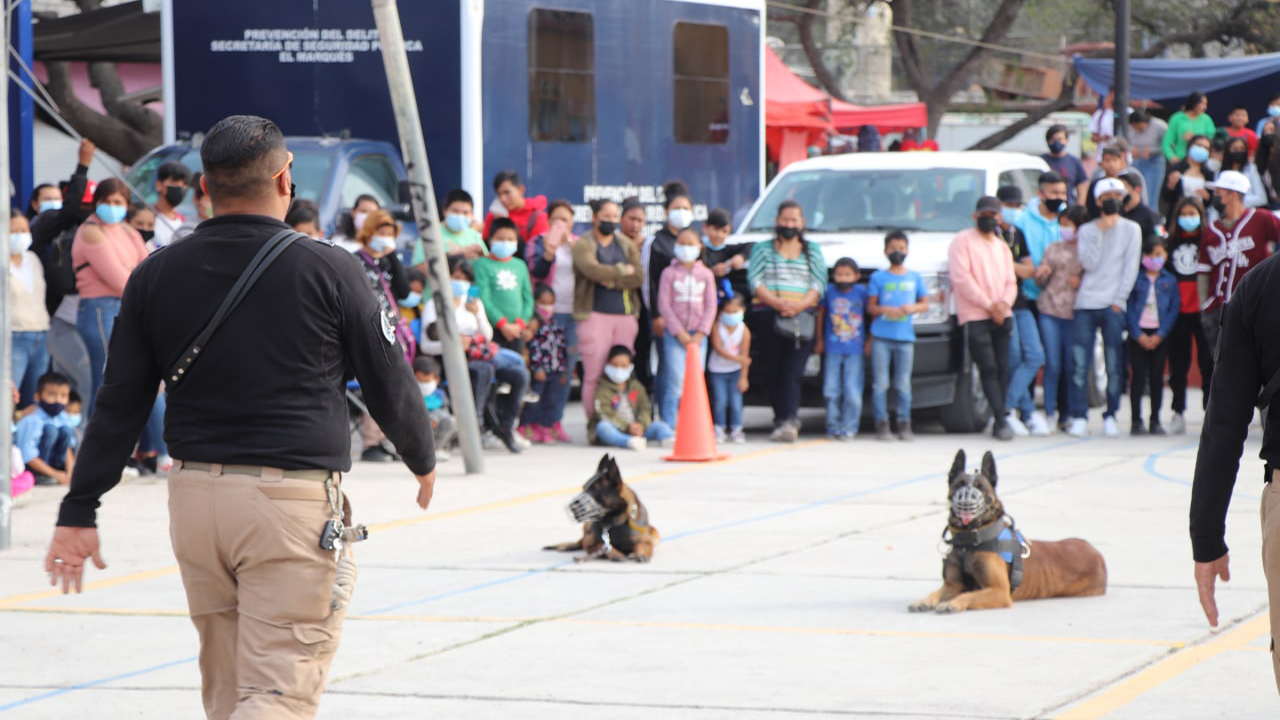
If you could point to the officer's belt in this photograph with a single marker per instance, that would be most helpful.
(258, 471)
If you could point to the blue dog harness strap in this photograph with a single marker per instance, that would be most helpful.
(1000, 537)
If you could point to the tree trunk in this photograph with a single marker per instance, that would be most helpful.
(111, 134)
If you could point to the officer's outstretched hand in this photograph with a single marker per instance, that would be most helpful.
(426, 486)
(70, 547)
(1207, 574)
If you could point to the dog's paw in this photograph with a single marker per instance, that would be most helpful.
(921, 606)
(641, 558)
(948, 608)
(581, 558)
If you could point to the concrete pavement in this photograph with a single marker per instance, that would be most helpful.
(779, 591)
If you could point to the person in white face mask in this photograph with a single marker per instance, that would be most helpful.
(349, 226)
(28, 315)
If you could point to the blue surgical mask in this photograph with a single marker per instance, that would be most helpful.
(710, 245)
(382, 244)
(617, 374)
(1273, 110)
(111, 214)
(1011, 216)
(48, 205)
(413, 300)
(1189, 223)
(1198, 153)
(460, 288)
(502, 249)
(687, 253)
(456, 223)
(73, 421)
(731, 319)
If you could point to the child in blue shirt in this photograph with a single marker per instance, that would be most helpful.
(841, 346)
(894, 296)
(443, 427)
(45, 437)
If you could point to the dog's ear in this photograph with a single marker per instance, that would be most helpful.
(957, 467)
(989, 467)
(613, 475)
(604, 463)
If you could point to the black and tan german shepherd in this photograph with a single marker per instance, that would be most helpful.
(615, 524)
(975, 579)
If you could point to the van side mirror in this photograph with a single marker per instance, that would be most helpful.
(404, 212)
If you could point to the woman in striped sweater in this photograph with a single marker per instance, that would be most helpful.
(787, 278)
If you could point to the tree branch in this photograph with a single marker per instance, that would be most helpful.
(826, 80)
(996, 30)
(106, 80)
(1066, 97)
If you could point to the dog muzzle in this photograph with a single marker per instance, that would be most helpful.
(584, 508)
(968, 503)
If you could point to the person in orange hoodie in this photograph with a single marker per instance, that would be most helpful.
(528, 213)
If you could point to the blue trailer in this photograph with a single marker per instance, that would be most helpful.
(586, 99)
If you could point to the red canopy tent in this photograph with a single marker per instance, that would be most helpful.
(798, 115)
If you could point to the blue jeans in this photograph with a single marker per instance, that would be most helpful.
(66, 349)
(1055, 335)
(1083, 330)
(96, 319)
(30, 361)
(509, 367)
(608, 433)
(726, 399)
(842, 386)
(54, 443)
(902, 355)
(1152, 170)
(673, 360)
(152, 440)
(1026, 357)
(552, 395)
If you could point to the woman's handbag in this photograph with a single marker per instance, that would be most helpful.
(802, 327)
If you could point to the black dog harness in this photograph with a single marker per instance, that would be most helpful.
(1000, 537)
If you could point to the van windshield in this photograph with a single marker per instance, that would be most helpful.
(934, 199)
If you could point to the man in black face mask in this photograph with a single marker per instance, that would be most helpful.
(1134, 209)
(172, 181)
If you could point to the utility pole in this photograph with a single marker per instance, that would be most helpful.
(1121, 84)
(6, 347)
(405, 103)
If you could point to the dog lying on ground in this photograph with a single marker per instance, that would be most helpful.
(990, 565)
(615, 524)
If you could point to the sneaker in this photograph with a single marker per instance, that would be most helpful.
(737, 437)
(904, 431)
(1078, 428)
(1157, 429)
(377, 453)
(443, 456)
(558, 433)
(525, 431)
(720, 436)
(776, 435)
(521, 441)
(1038, 425)
(1002, 431)
(1179, 425)
(489, 441)
(637, 443)
(511, 441)
(785, 432)
(148, 465)
(532, 398)
(1110, 427)
(164, 464)
(1015, 424)
(1138, 429)
(882, 431)
(540, 435)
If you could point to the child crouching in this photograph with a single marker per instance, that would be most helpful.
(622, 415)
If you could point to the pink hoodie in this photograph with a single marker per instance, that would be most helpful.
(687, 298)
(981, 274)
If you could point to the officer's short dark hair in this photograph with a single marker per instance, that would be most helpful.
(617, 350)
(718, 218)
(426, 366)
(500, 223)
(895, 235)
(506, 176)
(240, 154)
(52, 379)
(173, 171)
(459, 195)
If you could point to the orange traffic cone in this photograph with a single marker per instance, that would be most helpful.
(695, 434)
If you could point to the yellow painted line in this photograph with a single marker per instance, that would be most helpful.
(127, 612)
(8, 602)
(1143, 682)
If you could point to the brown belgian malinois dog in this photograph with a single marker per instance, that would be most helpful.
(990, 565)
(607, 508)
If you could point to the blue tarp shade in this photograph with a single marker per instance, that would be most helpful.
(1248, 81)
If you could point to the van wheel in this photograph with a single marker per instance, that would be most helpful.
(969, 411)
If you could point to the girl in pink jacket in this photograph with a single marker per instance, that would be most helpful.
(687, 302)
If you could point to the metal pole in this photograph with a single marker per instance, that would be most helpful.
(6, 347)
(405, 103)
(1121, 85)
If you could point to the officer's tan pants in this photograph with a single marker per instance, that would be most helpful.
(1271, 561)
(259, 587)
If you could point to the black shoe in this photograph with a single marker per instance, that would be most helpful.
(147, 466)
(44, 479)
(377, 453)
(1002, 431)
(1138, 429)
(1157, 429)
(509, 440)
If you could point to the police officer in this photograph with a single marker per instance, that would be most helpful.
(1248, 359)
(257, 428)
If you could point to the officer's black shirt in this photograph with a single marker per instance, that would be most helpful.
(1248, 356)
(270, 387)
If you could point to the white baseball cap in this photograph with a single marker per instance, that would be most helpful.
(1108, 184)
(1231, 180)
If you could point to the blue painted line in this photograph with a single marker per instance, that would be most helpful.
(538, 571)
(1150, 468)
(82, 686)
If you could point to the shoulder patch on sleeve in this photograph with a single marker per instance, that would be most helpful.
(324, 241)
(388, 330)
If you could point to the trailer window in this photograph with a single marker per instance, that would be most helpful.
(562, 95)
(701, 102)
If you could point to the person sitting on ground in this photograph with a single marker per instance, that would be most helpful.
(411, 304)
(45, 437)
(622, 415)
(443, 427)
(502, 280)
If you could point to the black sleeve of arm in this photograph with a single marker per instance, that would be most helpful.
(1236, 380)
(399, 277)
(541, 267)
(386, 381)
(658, 260)
(124, 403)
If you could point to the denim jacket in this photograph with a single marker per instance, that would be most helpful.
(1168, 302)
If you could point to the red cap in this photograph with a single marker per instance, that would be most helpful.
(89, 189)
